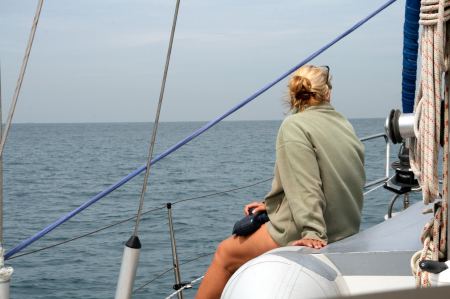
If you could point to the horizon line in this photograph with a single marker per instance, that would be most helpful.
(168, 121)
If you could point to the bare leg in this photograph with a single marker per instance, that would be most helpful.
(230, 255)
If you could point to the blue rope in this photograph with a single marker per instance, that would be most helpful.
(198, 132)
(410, 49)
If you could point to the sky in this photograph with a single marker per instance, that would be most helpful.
(103, 60)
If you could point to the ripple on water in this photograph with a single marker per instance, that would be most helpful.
(47, 176)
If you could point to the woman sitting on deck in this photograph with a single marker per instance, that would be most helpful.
(316, 195)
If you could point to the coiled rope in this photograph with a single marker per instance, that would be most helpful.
(425, 148)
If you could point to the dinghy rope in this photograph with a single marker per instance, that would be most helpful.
(434, 15)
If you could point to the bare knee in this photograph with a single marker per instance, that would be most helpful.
(227, 256)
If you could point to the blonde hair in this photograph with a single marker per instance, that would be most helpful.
(309, 86)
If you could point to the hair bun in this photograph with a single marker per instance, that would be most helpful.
(308, 86)
(300, 87)
(300, 84)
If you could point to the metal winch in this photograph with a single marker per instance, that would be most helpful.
(399, 128)
(404, 180)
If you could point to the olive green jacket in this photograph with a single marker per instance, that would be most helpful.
(318, 178)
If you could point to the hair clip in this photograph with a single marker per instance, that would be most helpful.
(304, 95)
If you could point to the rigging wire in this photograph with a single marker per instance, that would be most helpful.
(160, 208)
(25, 243)
(379, 186)
(1, 169)
(83, 235)
(154, 279)
(167, 271)
(21, 76)
(156, 122)
(222, 192)
(211, 253)
(187, 286)
(133, 217)
(157, 209)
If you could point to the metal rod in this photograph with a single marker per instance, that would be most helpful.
(176, 264)
(388, 154)
(376, 182)
(5, 271)
(406, 201)
(446, 96)
(370, 137)
(155, 124)
(21, 76)
(1, 166)
(373, 189)
(132, 248)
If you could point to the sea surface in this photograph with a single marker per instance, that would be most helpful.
(51, 169)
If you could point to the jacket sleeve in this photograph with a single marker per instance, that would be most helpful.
(302, 184)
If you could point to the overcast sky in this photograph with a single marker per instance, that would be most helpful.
(102, 60)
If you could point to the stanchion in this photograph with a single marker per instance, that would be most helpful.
(176, 265)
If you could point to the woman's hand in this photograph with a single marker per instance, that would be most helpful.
(313, 243)
(256, 206)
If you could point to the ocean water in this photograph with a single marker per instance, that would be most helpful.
(52, 168)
